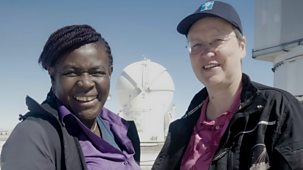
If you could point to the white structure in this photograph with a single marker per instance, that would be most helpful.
(145, 92)
(279, 39)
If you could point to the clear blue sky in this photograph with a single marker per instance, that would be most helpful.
(134, 29)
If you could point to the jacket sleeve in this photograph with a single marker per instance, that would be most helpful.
(133, 135)
(288, 151)
(161, 162)
(28, 147)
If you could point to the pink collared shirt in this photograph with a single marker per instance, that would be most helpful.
(206, 137)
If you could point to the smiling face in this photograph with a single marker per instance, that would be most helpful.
(81, 80)
(216, 53)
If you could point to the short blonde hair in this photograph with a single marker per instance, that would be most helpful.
(239, 35)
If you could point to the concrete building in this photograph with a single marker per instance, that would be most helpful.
(279, 39)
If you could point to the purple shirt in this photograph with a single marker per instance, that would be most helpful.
(98, 153)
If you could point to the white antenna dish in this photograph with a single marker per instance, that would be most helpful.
(145, 93)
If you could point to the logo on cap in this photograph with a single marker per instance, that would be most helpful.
(207, 6)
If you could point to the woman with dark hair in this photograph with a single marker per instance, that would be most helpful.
(71, 129)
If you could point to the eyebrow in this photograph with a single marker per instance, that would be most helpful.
(71, 66)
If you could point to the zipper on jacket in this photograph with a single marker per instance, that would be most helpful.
(220, 155)
(192, 111)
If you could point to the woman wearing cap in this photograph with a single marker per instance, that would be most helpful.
(232, 123)
(71, 129)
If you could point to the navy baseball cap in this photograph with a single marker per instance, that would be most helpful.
(214, 9)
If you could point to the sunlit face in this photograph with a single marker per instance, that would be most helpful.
(81, 80)
(216, 53)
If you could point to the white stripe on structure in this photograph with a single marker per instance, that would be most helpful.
(259, 123)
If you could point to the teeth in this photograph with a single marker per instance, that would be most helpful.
(85, 98)
(209, 66)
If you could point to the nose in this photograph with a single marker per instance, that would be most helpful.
(210, 47)
(85, 81)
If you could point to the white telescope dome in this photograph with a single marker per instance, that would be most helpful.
(145, 92)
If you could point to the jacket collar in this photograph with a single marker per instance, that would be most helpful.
(48, 105)
(249, 92)
(182, 129)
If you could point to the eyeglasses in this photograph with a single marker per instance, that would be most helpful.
(196, 47)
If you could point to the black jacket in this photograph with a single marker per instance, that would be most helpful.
(265, 132)
(42, 129)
